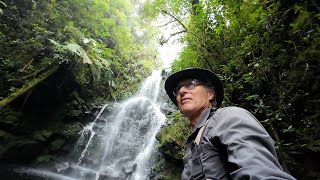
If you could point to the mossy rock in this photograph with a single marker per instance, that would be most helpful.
(173, 137)
(172, 150)
(71, 130)
(42, 135)
(10, 119)
(7, 141)
(45, 158)
(166, 170)
(57, 144)
(22, 151)
(5, 137)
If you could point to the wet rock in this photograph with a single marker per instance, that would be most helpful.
(57, 144)
(90, 175)
(128, 170)
(70, 130)
(157, 177)
(22, 151)
(61, 166)
(96, 109)
(91, 162)
(109, 174)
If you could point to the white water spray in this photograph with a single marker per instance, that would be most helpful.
(124, 147)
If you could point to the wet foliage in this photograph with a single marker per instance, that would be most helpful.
(59, 60)
(267, 54)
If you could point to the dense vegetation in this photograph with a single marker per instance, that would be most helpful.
(59, 59)
(105, 35)
(267, 54)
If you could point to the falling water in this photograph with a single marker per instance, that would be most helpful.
(118, 146)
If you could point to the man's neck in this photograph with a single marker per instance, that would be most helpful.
(195, 120)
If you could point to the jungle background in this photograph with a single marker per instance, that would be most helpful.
(61, 60)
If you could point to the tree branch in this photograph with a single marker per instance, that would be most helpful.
(163, 41)
(163, 25)
(184, 27)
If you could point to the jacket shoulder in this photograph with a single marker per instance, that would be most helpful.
(231, 115)
(231, 110)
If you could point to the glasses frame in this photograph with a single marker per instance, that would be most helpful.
(189, 85)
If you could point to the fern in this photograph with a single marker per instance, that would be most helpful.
(74, 49)
(78, 50)
(74, 34)
(4, 5)
(98, 66)
(88, 51)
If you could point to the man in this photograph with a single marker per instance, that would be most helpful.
(226, 143)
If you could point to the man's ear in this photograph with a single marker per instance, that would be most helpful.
(211, 97)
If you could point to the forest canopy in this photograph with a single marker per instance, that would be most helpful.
(267, 54)
(59, 56)
(59, 62)
(108, 36)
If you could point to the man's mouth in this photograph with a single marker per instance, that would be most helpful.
(185, 100)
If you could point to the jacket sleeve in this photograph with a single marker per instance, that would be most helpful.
(249, 146)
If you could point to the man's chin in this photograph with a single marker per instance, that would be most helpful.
(186, 109)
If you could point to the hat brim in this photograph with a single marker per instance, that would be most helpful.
(196, 73)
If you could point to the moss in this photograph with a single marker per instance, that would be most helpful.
(173, 137)
(171, 174)
(171, 171)
(57, 144)
(45, 158)
(10, 119)
(70, 130)
(5, 137)
(42, 135)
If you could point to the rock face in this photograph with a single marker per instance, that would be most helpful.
(27, 143)
(128, 170)
(43, 124)
(46, 131)
(109, 174)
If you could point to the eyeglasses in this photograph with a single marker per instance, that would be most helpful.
(189, 85)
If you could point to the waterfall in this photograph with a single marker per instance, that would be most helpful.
(118, 146)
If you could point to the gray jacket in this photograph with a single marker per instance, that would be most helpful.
(234, 145)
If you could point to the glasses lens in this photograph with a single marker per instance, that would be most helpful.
(189, 85)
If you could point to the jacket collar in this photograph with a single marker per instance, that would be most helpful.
(202, 120)
(206, 114)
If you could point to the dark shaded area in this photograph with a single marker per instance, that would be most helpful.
(37, 123)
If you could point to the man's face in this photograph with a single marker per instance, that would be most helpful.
(193, 97)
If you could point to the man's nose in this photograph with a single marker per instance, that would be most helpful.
(183, 90)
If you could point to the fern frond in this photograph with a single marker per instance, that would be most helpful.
(74, 34)
(78, 50)
(55, 43)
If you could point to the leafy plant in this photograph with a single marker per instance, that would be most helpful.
(266, 53)
(173, 137)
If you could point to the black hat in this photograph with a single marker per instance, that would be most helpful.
(197, 73)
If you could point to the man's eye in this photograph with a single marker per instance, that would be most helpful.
(188, 85)
(179, 87)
